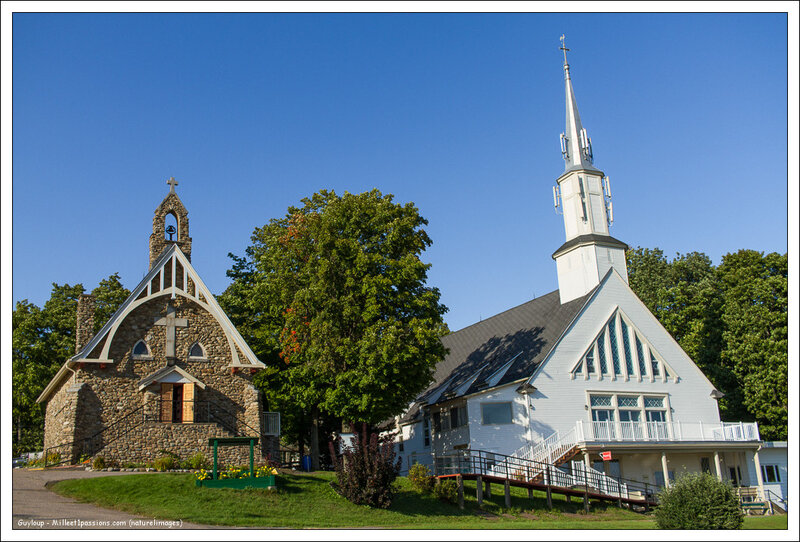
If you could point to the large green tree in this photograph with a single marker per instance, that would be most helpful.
(730, 319)
(42, 339)
(335, 297)
(755, 318)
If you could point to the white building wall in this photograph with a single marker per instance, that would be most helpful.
(560, 401)
(505, 438)
(414, 449)
(772, 453)
(577, 272)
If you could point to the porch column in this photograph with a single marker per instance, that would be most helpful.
(759, 478)
(587, 461)
(665, 468)
(718, 466)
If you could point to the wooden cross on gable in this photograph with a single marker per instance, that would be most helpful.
(171, 323)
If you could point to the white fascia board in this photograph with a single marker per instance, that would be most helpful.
(159, 264)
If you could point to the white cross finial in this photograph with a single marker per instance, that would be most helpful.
(564, 48)
(172, 184)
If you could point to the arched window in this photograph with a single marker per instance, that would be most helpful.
(140, 350)
(197, 351)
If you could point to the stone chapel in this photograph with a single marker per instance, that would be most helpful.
(167, 371)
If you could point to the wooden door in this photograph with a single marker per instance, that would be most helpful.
(166, 402)
(188, 402)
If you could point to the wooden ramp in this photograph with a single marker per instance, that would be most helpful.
(492, 468)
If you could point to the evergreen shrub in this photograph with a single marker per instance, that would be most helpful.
(420, 477)
(367, 470)
(99, 463)
(699, 501)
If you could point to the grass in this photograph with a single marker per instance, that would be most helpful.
(307, 500)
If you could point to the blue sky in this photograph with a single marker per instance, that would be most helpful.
(459, 113)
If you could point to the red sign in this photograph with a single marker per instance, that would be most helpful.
(605, 456)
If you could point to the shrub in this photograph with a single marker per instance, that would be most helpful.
(366, 471)
(99, 463)
(165, 463)
(420, 477)
(197, 461)
(446, 490)
(698, 501)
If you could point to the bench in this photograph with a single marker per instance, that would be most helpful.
(754, 507)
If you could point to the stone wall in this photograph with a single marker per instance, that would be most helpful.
(59, 418)
(112, 390)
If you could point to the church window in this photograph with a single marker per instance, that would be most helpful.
(601, 352)
(496, 413)
(590, 361)
(426, 430)
(640, 356)
(196, 351)
(654, 364)
(612, 335)
(626, 343)
(770, 474)
(458, 416)
(140, 350)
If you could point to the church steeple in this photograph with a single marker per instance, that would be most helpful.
(162, 236)
(583, 196)
(576, 146)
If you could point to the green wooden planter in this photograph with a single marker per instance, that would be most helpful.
(239, 483)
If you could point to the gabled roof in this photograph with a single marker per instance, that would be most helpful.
(164, 372)
(520, 338)
(192, 288)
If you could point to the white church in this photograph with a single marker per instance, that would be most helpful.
(584, 370)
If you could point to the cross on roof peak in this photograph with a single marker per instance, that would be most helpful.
(172, 184)
(564, 48)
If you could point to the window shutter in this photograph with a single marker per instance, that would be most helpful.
(188, 403)
(166, 402)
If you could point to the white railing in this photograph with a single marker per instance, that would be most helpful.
(666, 431)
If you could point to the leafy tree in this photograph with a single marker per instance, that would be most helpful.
(42, 339)
(334, 297)
(731, 320)
(755, 318)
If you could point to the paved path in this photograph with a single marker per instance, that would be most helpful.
(36, 507)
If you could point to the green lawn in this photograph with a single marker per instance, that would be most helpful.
(308, 501)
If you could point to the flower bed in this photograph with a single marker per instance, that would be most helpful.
(237, 478)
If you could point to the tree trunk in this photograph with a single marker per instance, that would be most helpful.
(301, 440)
(315, 439)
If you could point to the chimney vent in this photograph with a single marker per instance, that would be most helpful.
(84, 328)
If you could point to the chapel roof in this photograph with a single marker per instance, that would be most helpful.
(499, 350)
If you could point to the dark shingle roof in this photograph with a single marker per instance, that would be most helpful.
(527, 331)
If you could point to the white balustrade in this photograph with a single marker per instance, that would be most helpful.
(666, 431)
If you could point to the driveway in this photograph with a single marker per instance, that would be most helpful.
(36, 507)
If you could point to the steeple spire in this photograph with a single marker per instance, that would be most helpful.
(576, 147)
(583, 195)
